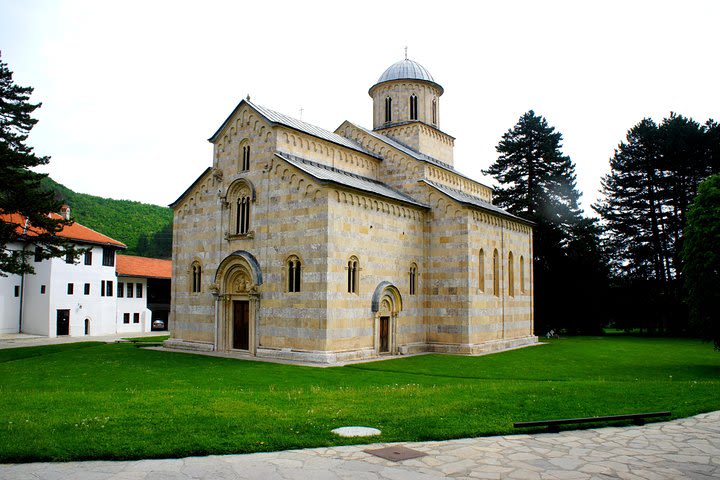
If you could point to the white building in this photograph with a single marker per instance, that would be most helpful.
(143, 293)
(75, 298)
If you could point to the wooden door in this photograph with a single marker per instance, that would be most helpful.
(63, 322)
(241, 325)
(384, 334)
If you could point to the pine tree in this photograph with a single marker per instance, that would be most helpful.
(21, 194)
(538, 182)
(654, 176)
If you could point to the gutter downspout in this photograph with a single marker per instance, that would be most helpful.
(22, 281)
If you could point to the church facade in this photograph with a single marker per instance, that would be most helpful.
(314, 246)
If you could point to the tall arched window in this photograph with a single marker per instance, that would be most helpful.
(245, 165)
(481, 270)
(522, 274)
(294, 272)
(511, 275)
(242, 216)
(413, 107)
(240, 196)
(434, 111)
(413, 279)
(388, 109)
(496, 274)
(195, 277)
(352, 274)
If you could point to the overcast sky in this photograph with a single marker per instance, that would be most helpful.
(132, 90)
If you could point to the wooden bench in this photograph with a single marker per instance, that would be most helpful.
(554, 425)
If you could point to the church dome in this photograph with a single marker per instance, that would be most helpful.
(407, 70)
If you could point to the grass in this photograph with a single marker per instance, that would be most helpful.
(114, 401)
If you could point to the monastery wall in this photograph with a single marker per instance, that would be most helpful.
(498, 311)
(195, 225)
(386, 239)
(448, 287)
(292, 222)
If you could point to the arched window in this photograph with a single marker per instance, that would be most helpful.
(434, 111)
(522, 274)
(245, 165)
(481, 270)
(413, 279)
(496, 274)
(352, 274)
(195, 276)
(511, 275)
(294, 272)
(244, 156)
(242, 216)
(388, 109)
(413, 107)
(240, 196)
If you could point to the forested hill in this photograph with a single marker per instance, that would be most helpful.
(145, 229)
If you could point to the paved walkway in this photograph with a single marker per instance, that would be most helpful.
(687, 448)
(14, 340)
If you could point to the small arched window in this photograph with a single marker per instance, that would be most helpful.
(245, 165)
(481, 270)
(434, 111)
(413, 107)
(496, 274)
(511, 275)
(522, 274)
(195, 277)
(352, 274)
(413, 279)
(388, 109)
(294, 273)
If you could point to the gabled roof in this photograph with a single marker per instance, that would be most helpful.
(75, 231)
(187, 190)
(465, 199)
(133, 266)
(276, 118)
(414, 153)
(325, 174)
(406, 150)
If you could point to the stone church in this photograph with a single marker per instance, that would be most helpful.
(314, 246)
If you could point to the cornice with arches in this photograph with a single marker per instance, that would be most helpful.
(331, 152)
(370, 203)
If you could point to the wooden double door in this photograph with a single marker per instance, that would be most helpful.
(241, 325)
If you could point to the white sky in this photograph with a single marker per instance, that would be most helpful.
(132, 90)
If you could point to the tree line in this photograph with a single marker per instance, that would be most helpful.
(627, 267)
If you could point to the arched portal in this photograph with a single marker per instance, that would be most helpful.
(237, 281)
(386, 306)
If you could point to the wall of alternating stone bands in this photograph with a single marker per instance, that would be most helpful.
(502, 316)
(386, 238)
(292, 218)
(324, 225)
(195, 239)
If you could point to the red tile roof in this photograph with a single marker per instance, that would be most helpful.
(132, 266)
(73, 232)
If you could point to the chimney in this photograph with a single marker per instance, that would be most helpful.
(65, 212)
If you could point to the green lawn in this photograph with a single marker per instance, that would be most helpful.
(95, 400)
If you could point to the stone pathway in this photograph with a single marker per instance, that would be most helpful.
(686, 448)
(15, 340)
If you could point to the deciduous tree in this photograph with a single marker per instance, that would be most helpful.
(701, 255)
